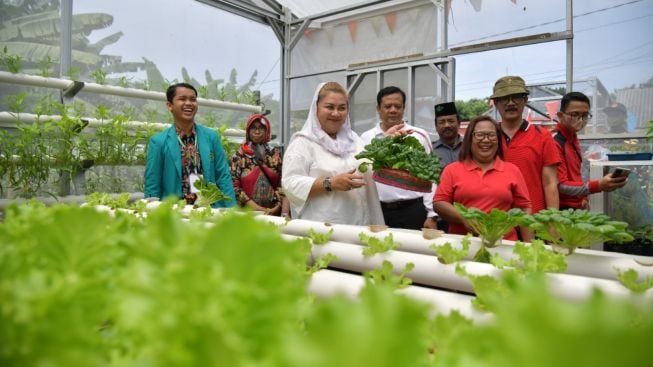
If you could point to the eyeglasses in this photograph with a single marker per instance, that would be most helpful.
(491, 136)
(578, 116)
(258, 127)
(517, 98)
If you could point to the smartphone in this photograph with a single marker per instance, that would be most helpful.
(620, 172)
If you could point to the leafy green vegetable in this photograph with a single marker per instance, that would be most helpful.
(79, 287)
(322, 263)
(569, 229)
(533, 258)
(320, 238)
(82, 288)
(380, 329)
(492, 226)
(401, 152)
(534, 328)
(209, 193)
(103, 198)
(448, 255)
(385, 275)
(377, 246)
(629, 279)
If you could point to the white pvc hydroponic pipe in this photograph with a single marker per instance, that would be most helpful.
(327, 283)
(429, 271)
(583, 262)
(12, 118)
(56, 83)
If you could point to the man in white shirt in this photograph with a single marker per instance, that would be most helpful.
(401, 208)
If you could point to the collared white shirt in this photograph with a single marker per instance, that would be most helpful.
(389, 194)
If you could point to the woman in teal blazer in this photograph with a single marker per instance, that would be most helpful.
(163, 167)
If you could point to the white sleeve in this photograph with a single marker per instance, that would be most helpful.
(428, 201)
(295, 178)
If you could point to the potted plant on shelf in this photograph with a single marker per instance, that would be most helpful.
(631, 150)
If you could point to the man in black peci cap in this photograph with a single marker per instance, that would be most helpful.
(447, 123)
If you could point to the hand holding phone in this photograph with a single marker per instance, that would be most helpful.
(620, 172)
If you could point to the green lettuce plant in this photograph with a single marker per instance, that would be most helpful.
(569, 229)
(401, 152)
(492, 226)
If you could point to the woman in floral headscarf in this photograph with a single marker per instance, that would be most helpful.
(256, 170)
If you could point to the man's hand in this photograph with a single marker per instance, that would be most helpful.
(397, 130)
(431, 223)
(608, 183)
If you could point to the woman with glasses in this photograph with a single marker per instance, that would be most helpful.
(481, 179)
(256, 170)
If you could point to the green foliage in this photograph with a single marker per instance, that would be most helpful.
(492, 226)
(447, 254)
(230, 147)
(401, 152)
(377, 246)
(385, 275)
(100, 76)
(208, 194)
(322, 262)
(45, 66)
(472, 108)
(533, 261)
(534, 328)
(79, 287)
(82, 288)
(569, 229)
(381, 329)
(319, 238)
(12, 63)
(103, 198)
(533, 258)
(629, 279)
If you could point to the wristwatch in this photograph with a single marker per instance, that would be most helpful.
(326, 183)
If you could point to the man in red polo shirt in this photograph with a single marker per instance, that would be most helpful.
(531, 148)
(573, 116)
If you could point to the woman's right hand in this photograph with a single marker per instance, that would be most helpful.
(347, 181)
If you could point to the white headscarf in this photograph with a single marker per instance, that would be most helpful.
(345, 141)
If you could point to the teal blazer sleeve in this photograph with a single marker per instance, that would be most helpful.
(163, 166)
(153, 168)
(214, 164)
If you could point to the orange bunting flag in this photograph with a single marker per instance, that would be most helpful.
(391, 20)
(353, 28)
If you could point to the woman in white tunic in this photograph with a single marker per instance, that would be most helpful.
(319, 174)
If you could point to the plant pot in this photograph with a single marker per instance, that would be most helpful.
(630, 156)
(637, 247)
(402, 179)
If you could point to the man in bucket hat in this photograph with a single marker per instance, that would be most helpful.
(531, 148)
(447, 124)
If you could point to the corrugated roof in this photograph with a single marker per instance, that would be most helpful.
(640, 102)
(307, 8)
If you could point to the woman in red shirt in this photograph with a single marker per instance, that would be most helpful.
(481, 179)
